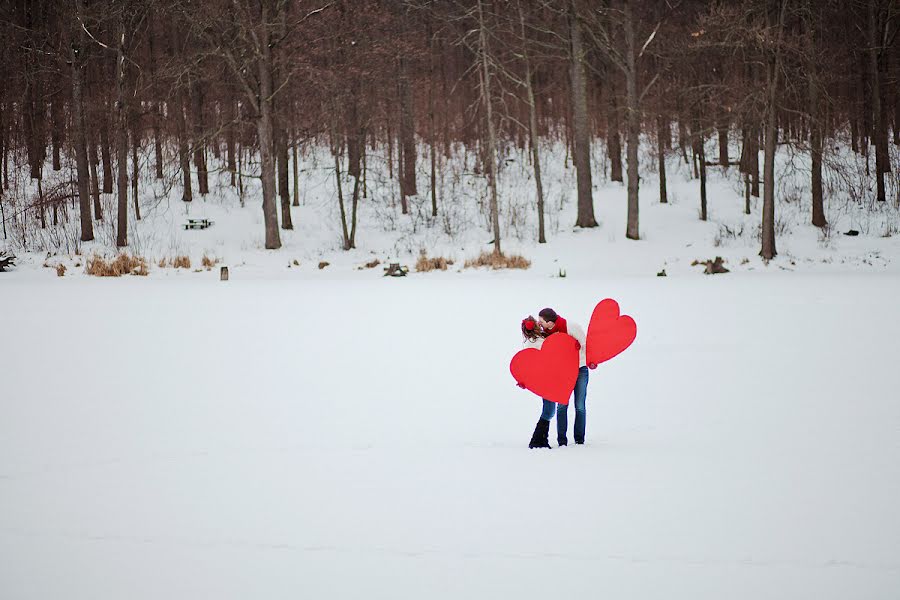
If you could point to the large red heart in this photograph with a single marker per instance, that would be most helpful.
(550, 372)
(608, 332)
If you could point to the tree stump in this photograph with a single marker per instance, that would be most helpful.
(395, 270)
(712, 266)
(223, 274)
(7, 260)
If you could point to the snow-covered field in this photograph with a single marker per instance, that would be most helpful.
(182, 438)
(300, 432)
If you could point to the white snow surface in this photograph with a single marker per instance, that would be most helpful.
(182, 438)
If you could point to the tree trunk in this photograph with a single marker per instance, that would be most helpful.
(633, 123)
(746, 193)
(4, 150)
(264, 132)
(533, 129)
(661, 135)
(157, 142)
(815, 122)
(722, 129)
(897, 102)
(121, 139)
(105, 154)
(353, 212)
(754, 161)
(582, 125)
(2, 211)
(80, 142)
(682, 138)
(355, 144)
(768, 250)
(700, 154)
(879, 133)
(284, 189)
(337, 176)
(154, 103)
(431, 125)
(390, 148)
(485, 76)
(135, 171)
(407, 133)
(613, 139)
(184, 151)
(41, 207)
(56, 129)
(95, 180)
(295, 163)
(231, 116)
(199, 145)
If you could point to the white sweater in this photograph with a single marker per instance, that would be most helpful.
(577, 332)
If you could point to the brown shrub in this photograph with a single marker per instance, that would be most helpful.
(60, 270)
(498, 261)
(209, 262)
(123, 264)
(425, 264)
(162, 263)
(181, 262)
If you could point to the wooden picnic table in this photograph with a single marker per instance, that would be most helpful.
(198, 224)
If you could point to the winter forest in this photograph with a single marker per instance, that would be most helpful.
(111, 107)
(449, 299)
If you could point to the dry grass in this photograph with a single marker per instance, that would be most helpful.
(123, 264)
(498, 261)
(323, 264)
(425, 264)
(209, 261)
(181, 262)
(60, 270)
(371, 264)
(162, 263)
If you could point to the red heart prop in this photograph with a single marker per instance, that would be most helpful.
(550, 372)
(608, 333)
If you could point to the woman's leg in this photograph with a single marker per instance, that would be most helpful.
(542, 429)
(548, 409)
(580, 400)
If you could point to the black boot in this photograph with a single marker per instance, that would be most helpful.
(540, 435)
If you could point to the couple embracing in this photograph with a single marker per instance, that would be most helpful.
(534, 332)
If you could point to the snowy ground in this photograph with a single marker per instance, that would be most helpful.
(186, 439)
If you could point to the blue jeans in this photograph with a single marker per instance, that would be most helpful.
(549, 410)
(562, 411)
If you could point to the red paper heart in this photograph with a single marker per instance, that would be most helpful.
(608, 332)
(550, 372)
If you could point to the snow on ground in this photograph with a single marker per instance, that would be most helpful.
(298, 432)
(184, 438)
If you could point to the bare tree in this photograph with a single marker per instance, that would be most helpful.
(582, 127)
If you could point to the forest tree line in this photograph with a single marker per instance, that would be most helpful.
(88, 84)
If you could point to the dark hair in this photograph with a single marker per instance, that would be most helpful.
(548, 314)
(530, 334)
